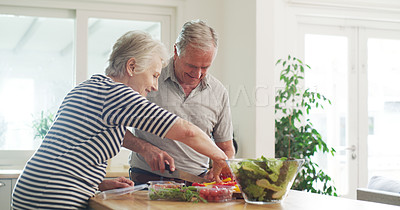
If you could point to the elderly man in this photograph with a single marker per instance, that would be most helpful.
(186, 90)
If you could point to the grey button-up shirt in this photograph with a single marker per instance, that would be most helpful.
(207, 106)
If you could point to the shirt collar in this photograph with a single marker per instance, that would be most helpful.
(99, 77)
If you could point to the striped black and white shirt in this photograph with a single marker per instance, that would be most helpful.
(88, 130)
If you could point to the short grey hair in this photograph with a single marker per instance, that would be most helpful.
(135, 44)
(198, 34)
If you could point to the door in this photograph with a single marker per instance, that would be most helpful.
(380, 73)
(327, 50)
(356, 69)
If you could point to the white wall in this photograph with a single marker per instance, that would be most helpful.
(253, 35)
(248, 44)
(244, 65)
(238, 47)
(209, 11)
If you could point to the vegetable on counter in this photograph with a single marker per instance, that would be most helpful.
(225, 182)
(216, 194)
(181, 193)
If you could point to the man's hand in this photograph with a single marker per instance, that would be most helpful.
(155, 157)
(110, 184)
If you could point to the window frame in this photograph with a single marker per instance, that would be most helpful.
(167, 13)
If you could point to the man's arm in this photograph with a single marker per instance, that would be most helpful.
(191, 135)
(155, 157)
(227, 147)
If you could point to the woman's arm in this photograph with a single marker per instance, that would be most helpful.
(195, 138)
(227, 147)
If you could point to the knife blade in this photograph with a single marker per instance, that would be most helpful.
(185, 175)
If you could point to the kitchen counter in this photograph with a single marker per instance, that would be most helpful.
(117, 171)
(9, 174)
(296, 200)
(111, 173)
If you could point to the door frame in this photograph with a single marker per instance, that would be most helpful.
(357, 33)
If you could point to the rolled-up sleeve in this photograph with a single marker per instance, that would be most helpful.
(126, 107)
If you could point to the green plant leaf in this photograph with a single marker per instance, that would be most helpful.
(42, 124)
(297, 141)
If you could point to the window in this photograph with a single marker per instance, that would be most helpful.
(103, 33)
(36, 72)
(46, 51)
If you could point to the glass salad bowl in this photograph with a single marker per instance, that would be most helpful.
(265, 180)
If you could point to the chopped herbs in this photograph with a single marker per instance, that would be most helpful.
(176, 194)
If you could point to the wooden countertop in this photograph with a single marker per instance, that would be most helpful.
(296, 200)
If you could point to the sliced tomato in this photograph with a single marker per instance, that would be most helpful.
(204, 192)
(198, 184)
(213, 192)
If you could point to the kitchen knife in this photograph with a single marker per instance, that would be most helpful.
(185, 175)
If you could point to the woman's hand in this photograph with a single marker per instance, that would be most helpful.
(219, 166)
(110, 184)
(226, 172)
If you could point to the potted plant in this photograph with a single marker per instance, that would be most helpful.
(42, 124)
(295, 136)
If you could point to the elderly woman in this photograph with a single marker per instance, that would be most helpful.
(90, 126)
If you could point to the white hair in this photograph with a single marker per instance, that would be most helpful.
(135, 44)
(198, 34)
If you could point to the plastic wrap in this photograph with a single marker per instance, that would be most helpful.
(114, 193)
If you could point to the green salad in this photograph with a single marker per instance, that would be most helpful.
(264, 179)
